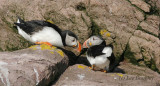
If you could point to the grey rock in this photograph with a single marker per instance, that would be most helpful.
(81, 75)
(151, 25)
(141, 4)
(38, 65)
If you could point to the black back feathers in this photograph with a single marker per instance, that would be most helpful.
(69, 33)
(30, 27)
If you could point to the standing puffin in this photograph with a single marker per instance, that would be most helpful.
(99, 55)
(45, 32)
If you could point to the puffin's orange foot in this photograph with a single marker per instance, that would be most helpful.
(104, 71)
(46, 43)
(92, 67)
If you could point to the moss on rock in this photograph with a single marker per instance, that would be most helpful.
(151, 64)
(95, 28)
(130, 55)
(81, 7)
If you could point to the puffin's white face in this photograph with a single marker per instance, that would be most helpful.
(93, 40)
(71, 41)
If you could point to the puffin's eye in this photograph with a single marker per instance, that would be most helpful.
(73, 40)
(93, 38)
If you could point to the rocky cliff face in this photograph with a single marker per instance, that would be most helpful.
(132, 26)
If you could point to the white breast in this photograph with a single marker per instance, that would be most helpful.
(24, 34)
(91, 60)
(48, 34)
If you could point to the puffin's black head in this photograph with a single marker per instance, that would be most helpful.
(71, 39)
(94, 40)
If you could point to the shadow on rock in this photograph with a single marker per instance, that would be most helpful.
(71, 56)
(73, 59)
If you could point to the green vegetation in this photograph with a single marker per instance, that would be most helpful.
(9, 46)
(81, 7)
(5, 21)
(12, 47)
(57, 18)
(15, 29)
(151, 64)
(130, 55)
(154, 10)
(1, 49)
(84, 20)
(9, 24)
(95, 28)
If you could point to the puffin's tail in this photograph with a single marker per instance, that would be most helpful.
(20, 22)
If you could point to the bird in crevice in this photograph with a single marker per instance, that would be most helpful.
(99, 55)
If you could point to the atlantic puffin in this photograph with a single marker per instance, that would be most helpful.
(88, 43)
(99, 55)
(45, 32)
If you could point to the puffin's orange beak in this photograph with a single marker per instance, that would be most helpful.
(79, 47)
(85, 44)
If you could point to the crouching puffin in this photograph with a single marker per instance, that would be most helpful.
(45, 32)
(99, 55)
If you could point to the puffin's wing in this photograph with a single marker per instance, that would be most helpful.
(96, 50)
(25, 26)
(35, 25)
(112, 58)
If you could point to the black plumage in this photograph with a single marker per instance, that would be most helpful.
(30, 27)
(98, 53)
(39, 31)
(95, 50)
